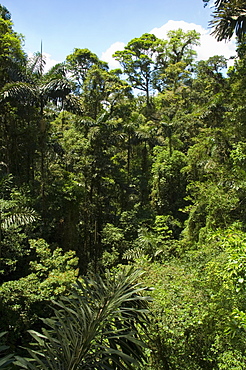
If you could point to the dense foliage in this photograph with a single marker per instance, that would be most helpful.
(105, 172)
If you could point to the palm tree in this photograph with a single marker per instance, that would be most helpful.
(229, 16)
(97, 327)
(38, 89)
(34, 91)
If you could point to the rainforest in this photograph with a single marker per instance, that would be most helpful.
(123, 204)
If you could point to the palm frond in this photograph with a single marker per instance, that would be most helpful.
(229, 17)
(57, 88)
(18, 91)
(36, 64)
(20, 217)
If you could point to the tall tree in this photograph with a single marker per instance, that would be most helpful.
(80, 62)
(101, 91)
(12, 57)
(137, 60)
(152, 64)
(173, 61)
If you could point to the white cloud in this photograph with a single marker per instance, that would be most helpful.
(107, 55)
(49, 62)
(162, 31)
(208, 45)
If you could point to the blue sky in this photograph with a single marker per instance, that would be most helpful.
(104, 26)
